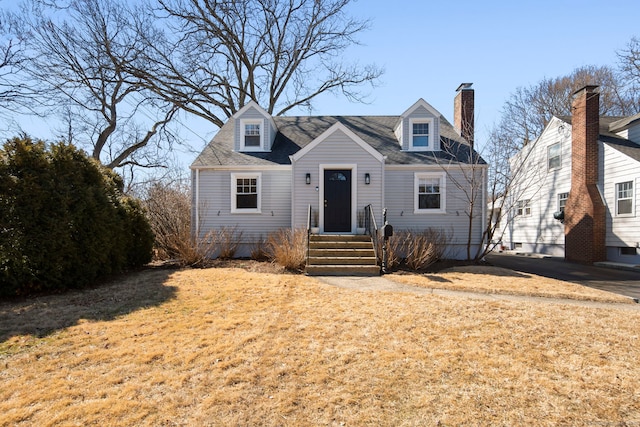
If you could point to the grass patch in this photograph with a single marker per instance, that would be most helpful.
(230, 347)
(496, 280)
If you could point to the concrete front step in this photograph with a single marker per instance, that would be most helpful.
(327, 244)
(332, 254)
(337, 253)
(343, 270)
(322, 260)
(340, 238)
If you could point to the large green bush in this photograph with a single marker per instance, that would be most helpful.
(63, 219)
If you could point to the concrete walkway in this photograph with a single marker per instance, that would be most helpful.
(383, 284)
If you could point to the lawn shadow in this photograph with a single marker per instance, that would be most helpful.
(42, 315)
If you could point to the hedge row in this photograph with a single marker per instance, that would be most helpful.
(63, 220)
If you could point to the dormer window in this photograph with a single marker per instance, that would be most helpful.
(421, 130)
(251, 135)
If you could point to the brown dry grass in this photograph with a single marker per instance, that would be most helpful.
(496, 280)
(226, 347)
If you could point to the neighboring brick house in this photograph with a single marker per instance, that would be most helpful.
(262, 173)
(587, 167)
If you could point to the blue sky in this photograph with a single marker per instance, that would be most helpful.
(428, 48)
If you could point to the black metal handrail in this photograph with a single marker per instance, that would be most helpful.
(308, 232)
(371, 228)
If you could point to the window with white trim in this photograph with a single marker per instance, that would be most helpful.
(251, 134)
(624, 198)
(429, 193)
(554, 156)
(421, 131)
(245, 193)
(523, 208)
(562, 201)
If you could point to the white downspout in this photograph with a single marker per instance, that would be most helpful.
(197, 207)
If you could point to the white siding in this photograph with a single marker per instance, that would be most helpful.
(399, 201)
(337, 149)
(622, 231)
(539, 232)
(634, 134)
(215, 203)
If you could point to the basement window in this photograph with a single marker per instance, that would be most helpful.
(628, 251)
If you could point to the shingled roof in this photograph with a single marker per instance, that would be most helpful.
(296, 132)
(613, 140)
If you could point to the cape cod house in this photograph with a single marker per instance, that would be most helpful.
(262, 173)
(578, 194)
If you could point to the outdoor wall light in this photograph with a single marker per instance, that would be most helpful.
(367, 178)
(308, 179)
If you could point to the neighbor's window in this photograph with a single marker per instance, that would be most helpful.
(251, 134)
(429, 193)
(624, 198)
(628, 251)
(523, 208)
(245, 193)
(554, 156)
(420, 133)
(562, 201)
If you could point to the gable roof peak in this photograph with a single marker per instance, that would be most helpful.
(421, 103)
(254, 104)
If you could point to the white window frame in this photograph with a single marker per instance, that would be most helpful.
(443, 192)
(629, 197)
(523, 208)
(560, 199)
(559, 156)
(234, 187)
(430, 135)
(243, 125)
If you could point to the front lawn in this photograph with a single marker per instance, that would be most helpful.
(230, 347)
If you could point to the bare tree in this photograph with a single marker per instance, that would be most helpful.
(14, 93)
(212, 57)
(529, 109)
(629, 65)
(80, 54)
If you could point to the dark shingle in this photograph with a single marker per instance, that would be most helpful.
(294, 133)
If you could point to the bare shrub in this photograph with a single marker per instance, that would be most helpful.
(423, 248)
(168, 207)
(259, 250)
(394, 245)
(288, 248)
(228, 239)
(416, 249)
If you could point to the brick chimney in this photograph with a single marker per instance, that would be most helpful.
(584, 226)
(463, 105)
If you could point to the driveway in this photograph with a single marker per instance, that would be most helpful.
(608, 279)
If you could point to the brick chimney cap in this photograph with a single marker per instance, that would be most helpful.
(587, 88)
(464, 86)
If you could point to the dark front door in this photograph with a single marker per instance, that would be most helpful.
(337, 200)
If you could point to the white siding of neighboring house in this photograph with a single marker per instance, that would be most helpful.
(214, 198)
(622, 231)
(539, 232)
(336, 150)
(400, 204)
(633, 134)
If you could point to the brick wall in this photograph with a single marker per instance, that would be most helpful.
(585, 211)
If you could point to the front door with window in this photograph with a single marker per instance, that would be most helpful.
(337, 200)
